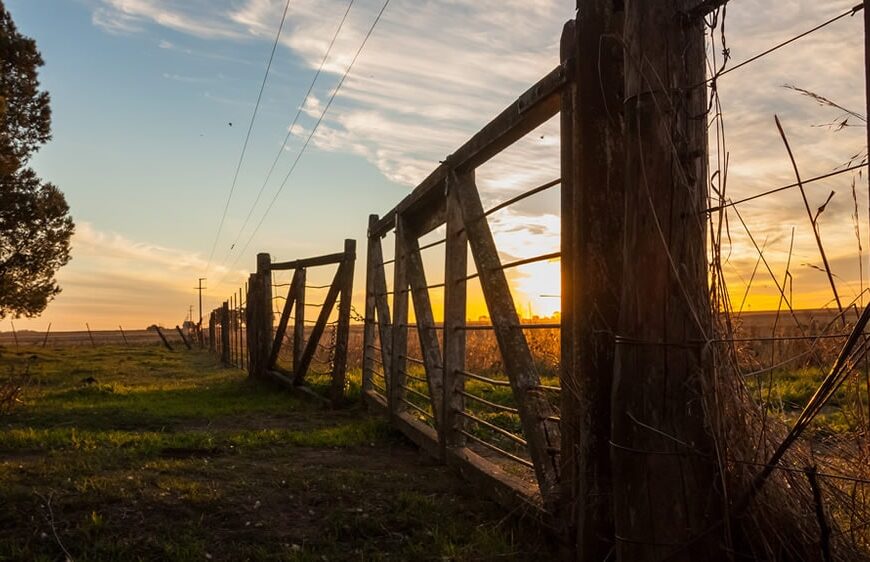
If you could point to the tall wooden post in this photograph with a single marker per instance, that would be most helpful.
(399, 345)
(455, 298)
(369, 327)
(225, 333)
(299, 318)
(339, 364)
(211, 332)
(261, 299)
(665, 489)
(592, 211)
(252, 325)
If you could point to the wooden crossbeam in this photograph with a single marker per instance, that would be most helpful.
(542, 435)
(285, 319)
(301, 369)
(425, 324)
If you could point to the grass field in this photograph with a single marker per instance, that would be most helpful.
(142, 454)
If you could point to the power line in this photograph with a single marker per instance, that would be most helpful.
(311, 135)
(290, 129)
(248, 135)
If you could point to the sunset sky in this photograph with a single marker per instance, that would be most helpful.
(144, 91)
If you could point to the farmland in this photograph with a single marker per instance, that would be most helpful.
(135, 453)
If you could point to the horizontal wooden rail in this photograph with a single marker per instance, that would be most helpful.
(312, 262)
(538, 104)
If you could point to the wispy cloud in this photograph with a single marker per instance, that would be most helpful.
(435, 72)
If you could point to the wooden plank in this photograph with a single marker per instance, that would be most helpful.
(593, 199)
(534, 107)
(657, 395)
(382, 307)
(399, 345)
(240, 354)
(429, 345)
(455, 303)
(261, 348)
(162, 338)
(339, 363)
(423, 435)
(512, 493)
(281, 330)
(299, 319)
(372, 263)
(316, 261)
(534, 409)
(225, 333)
(300, 370)
(253, 323)
(183, 338)
(375, 402)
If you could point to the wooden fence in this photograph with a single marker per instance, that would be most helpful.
(243, 330)
(428, 398)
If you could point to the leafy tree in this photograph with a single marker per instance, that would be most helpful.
(35, 226)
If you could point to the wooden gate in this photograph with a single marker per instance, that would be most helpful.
(268, 342)
(429, 397)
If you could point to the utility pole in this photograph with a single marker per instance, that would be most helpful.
(199, 289)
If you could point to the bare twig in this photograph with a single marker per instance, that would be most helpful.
(51, 524)
(813, 221)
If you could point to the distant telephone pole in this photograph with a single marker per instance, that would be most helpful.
(200, 289)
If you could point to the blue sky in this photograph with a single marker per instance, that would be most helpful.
(143, 92)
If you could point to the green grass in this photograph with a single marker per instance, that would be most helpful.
(167, 456)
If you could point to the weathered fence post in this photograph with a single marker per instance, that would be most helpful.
(183, 337)
(399, 345)
(455, 298)
(339, 364)
(592, 211)
(163, 338)
(261, 316)
(90, 335)
(369, 311)
(253, 326)
(47, 331)
(225, 333)
(667, 503)
(299, 317)
(211, 332)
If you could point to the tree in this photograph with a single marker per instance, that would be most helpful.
(35, 226)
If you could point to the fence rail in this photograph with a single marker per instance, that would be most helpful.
(244, 333)
(434, 406)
